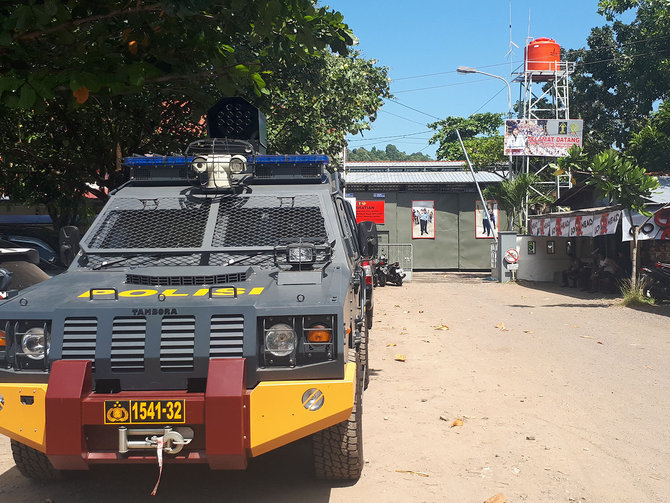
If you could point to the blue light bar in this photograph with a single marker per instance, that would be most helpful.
(157, 160)
(289, 159)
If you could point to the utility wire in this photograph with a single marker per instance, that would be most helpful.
(404, 118)
(415, 109)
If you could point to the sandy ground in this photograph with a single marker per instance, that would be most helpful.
(563, 396)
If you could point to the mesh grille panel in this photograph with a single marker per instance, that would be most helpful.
(177, 339)
(79, 338)
(218, 279)
(152, 223)
(265, 220)
(128, 335)
(226, 336)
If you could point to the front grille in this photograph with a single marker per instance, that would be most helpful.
(79, 336)
(177, 340)
(226, 339)
(217, 279)
(128, 336)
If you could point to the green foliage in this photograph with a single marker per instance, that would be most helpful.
(58, 47)
(511, 196)
(622, 180)
(391, 153)
(311, 108)
(480, 136)
(651, 145)
(622, 73)
(633, 293)
(83, 84)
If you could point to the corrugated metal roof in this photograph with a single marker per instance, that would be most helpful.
(418, 177)
(403, 164)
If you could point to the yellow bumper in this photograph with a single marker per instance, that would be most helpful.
(22, 414)
(279, 411)
(283, 411)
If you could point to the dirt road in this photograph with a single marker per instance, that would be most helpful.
(562, 397)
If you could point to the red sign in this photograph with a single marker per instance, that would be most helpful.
(372, 211)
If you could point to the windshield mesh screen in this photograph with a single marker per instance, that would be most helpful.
(152, 223)
(179, 222)
(268, 221)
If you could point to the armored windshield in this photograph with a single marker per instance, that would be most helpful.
(223, 226)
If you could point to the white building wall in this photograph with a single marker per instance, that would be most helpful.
(542, 266)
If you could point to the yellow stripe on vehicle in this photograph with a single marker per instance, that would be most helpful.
(283, 411)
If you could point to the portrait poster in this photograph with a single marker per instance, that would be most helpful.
(423, 219)
(485, 228)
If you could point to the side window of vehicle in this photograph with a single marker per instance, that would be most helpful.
(351, 220)
(349, 243)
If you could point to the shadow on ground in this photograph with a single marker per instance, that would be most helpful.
(284, 475)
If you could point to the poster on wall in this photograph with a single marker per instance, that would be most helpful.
(372, 211)
(486, 228)
(423, 219)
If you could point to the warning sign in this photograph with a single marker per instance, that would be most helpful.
(372, 211)
(511, 256)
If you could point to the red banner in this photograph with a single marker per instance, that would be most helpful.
(372, 211)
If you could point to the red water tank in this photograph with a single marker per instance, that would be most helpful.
(543, 55)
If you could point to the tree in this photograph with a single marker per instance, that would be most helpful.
(622, 73)
(480, 136)
(651, 145)
(511, 196)
(312, 107)
(391, 153)
(618, 178)
(79, 48)
(59, 139)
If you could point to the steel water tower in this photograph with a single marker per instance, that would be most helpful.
(544, 93)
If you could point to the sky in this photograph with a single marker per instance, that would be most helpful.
(424, 41)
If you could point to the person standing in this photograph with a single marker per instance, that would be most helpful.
(424, 221)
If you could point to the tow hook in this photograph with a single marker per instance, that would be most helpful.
(174, 440)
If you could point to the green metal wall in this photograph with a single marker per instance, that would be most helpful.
(454, 246)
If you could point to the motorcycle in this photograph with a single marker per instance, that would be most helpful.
(395, 274)
(380, 271)
(656, 281)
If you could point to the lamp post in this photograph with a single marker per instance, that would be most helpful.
(467, 69)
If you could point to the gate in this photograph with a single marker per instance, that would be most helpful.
(401, 253)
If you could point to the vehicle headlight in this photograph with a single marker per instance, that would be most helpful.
(280, 340)
(300, 254)
(35, 343)
(236, 165)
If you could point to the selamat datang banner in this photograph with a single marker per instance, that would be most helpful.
(542, 137)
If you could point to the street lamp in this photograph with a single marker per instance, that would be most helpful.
(467, 69)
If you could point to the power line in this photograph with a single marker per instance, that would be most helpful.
(395, 136)
(415, 109)
(441, 85)
(404, 118)
(447, 72)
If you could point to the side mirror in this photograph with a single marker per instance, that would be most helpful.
(68, 241)
(367, 238)
(5, 278)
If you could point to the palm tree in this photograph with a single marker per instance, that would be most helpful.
(511, 196)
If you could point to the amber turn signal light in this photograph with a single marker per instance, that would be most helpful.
(3, 339)
(318, 333)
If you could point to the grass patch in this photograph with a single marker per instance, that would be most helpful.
(634, 295)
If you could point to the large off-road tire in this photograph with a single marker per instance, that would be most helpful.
(338, 450)
(33, 463)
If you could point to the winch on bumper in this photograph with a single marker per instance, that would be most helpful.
(222, 427)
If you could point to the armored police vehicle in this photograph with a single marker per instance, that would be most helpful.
(216, 311)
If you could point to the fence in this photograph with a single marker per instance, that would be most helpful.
(401, 253)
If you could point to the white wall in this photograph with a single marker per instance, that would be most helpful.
(542, 266)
